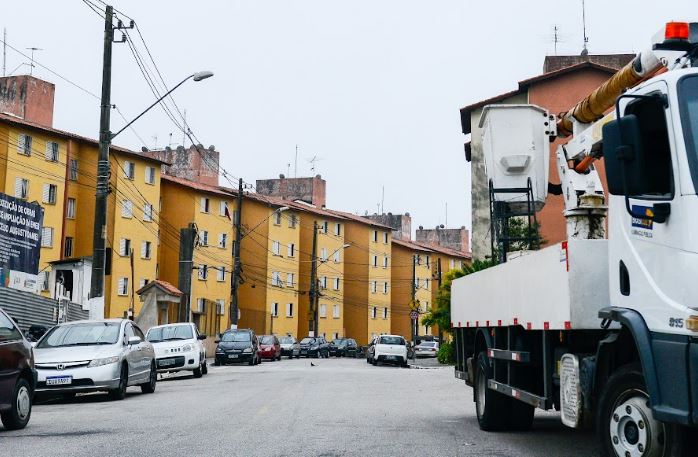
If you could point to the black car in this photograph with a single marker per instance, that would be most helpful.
(17, 375)
(314, 346)
(235, 346)
(334, 346)
(349, 348)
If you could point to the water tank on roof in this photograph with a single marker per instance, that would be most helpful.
(516, 146)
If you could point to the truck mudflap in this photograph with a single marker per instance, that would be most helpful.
(668, 362)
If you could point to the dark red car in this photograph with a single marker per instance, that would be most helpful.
(17, 375)
(269, 347)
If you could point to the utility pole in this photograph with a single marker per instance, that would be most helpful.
(414, 298)
(237, 266)
(187, 236)
(314, 292)
(438, 285)
(132, 307)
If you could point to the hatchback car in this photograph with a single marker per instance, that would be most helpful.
(348, 347)
(17, 375)
(239, 345)
(389, 349)
(426, 349)
(101, 355)
(178, 347)
(314, 347)
(269, 347)
(290, 347)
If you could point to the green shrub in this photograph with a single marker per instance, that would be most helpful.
(446, 355)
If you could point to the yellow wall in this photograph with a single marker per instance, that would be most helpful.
(380, 274)
(403, 273)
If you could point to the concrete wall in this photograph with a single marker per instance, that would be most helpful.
(310, 190)
(196, 164)
(456, 239)
(28, 98)
(554, 63)
(400, 223)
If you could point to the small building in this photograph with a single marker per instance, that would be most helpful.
(400, 223)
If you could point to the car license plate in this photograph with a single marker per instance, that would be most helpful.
(232, 356)
(166, 362)
(59, 380)
(304, 352)
(390, 357)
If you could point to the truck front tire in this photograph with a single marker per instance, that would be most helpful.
(625, 423)
(492, 407)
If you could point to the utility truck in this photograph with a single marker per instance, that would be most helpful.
(602, 327)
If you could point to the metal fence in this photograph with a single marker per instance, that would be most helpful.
(28, 309)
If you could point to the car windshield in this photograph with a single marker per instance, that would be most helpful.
(267, 340)
(286, 340)
(236, 337)
(87, 334)
(307, 340)
(340, 343)
(392, 340)
(688, 94)
(427, 344)
(170, 332)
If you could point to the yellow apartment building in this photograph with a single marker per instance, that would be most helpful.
(412, 274)
(269, 253)
(368, 278)
(330, 253)
(212, 210)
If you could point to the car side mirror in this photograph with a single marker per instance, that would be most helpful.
(201, 337)
(217, 341)
(134, 340)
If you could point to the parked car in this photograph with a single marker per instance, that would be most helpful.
(389, 349)
(239, 345)
(426, 349)
(290, 347)
(269, 347)
(314, 346)
(101, 355)
(17, 375)
(370, 349)
(178, 347)
(346, 347)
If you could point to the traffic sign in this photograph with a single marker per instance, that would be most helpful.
(414, 315)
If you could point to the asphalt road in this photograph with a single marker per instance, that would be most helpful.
(340, 407)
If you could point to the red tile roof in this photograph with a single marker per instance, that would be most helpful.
(445, 250)
(411, 245)
(362, 220)
(164, 285)
(198, 186)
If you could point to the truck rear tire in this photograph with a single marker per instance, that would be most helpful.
(492, 407)
(625, 424)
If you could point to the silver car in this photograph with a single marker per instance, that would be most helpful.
(290, 347)
(102, 355)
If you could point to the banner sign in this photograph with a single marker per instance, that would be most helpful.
(20, 241)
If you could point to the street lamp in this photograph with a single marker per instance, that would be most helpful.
(199, 76)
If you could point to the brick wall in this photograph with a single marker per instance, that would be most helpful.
(309, 190)
(28, 98)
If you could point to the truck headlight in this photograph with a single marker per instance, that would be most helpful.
(104, 361)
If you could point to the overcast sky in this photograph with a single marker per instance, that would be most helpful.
(372, 88)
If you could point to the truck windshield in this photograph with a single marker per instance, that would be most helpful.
(688, 95)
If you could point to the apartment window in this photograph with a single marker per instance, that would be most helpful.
(323, 254)
(122, 288)
(290, 279)
(276, 279)
(127, 209)
(150, 175)
(223, 209)
(203, 272)
(200, 305)
(323, 282)
(375, 260)
(323, 310)
(145, 249)
(276, 248)
(234, 217)
(289, 309)
(49, 194)
(426, 284)
(277, 217)
(275, 310)
(124, 247)
(385, 237)
(129, 170)
(291, 250)
(385, 287)
(375, 236)
(52, 151)
(222, 240)
(24, 144)
(220, 306)
(21, 188)
(416, 283)
(337, 256)
(325, 227)
(337, 229)
(73, 170)
(374, 312)
(336, 283)
(143, 283)
(43, 280)
(148, 212)
(426, 260)
(47, 237)
(385, 261)
(418, 259)
(70, 208)
(374, 286)
(453, 264)
(203, 238)
(292, 221)
(335, 311)
(204, 205)
(385, 313)
(68, 247)
(221, 273)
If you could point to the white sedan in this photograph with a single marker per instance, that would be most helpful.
(389, 349)
(178, 347)
(426, 349)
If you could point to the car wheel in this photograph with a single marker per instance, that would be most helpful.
(374, 362)
(120, 392)
(204, 367)
(17, 417)
(217, 362)
(197, 372)
(149, 387)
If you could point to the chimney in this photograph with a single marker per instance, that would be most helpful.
(28, 98)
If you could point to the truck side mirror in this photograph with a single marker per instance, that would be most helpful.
(623, 152)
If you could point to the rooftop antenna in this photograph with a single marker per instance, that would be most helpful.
(313, 161)
(170, 142)
(155, 141)
(184, 129)
(295, 166)
(556, 38)
(31, 65)
(383, 200)
(585, 51)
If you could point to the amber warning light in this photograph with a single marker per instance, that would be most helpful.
(676, 31)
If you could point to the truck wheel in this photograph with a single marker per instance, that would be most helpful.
(520, 416)
(492, 408)
(625, 424)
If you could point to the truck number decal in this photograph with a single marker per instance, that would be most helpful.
(676, 322)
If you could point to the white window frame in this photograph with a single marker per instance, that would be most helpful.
(385, 287)
(50, 194)
(52, 151)
(276, 248)
(149, 175)
(275, 309)
(204, 205)
(203, 238)
(70, 207)
(146, 249)
(375, 260)
(323, 310)
(289, 309)
(223, 240)
(124, 247)
(385, 237)
(375, 236)
(203, 272)
(385, 312)
(335, 311)
(148, 212)
(336, 283)
(222, 207)
(323, 254)
(220, 306)
(374, 287)
(325, 227)
(129, 170)
(292, 221)
(338, 256)
(277, 217)
(337, 229)
(68, 247)
(323, 282)
(291, 250)
(385, 261)
(73, 170)
(374, 312)
(47, 237)
(276, 279)
(21, 188)
(127, 209)
(24, 144)
(220, 274)
(122, 287)
(290, 279)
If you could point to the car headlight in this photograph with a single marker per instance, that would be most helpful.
(315, 347)
(186, 348)
(247, 350)
(219, 350)
(104, 361)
